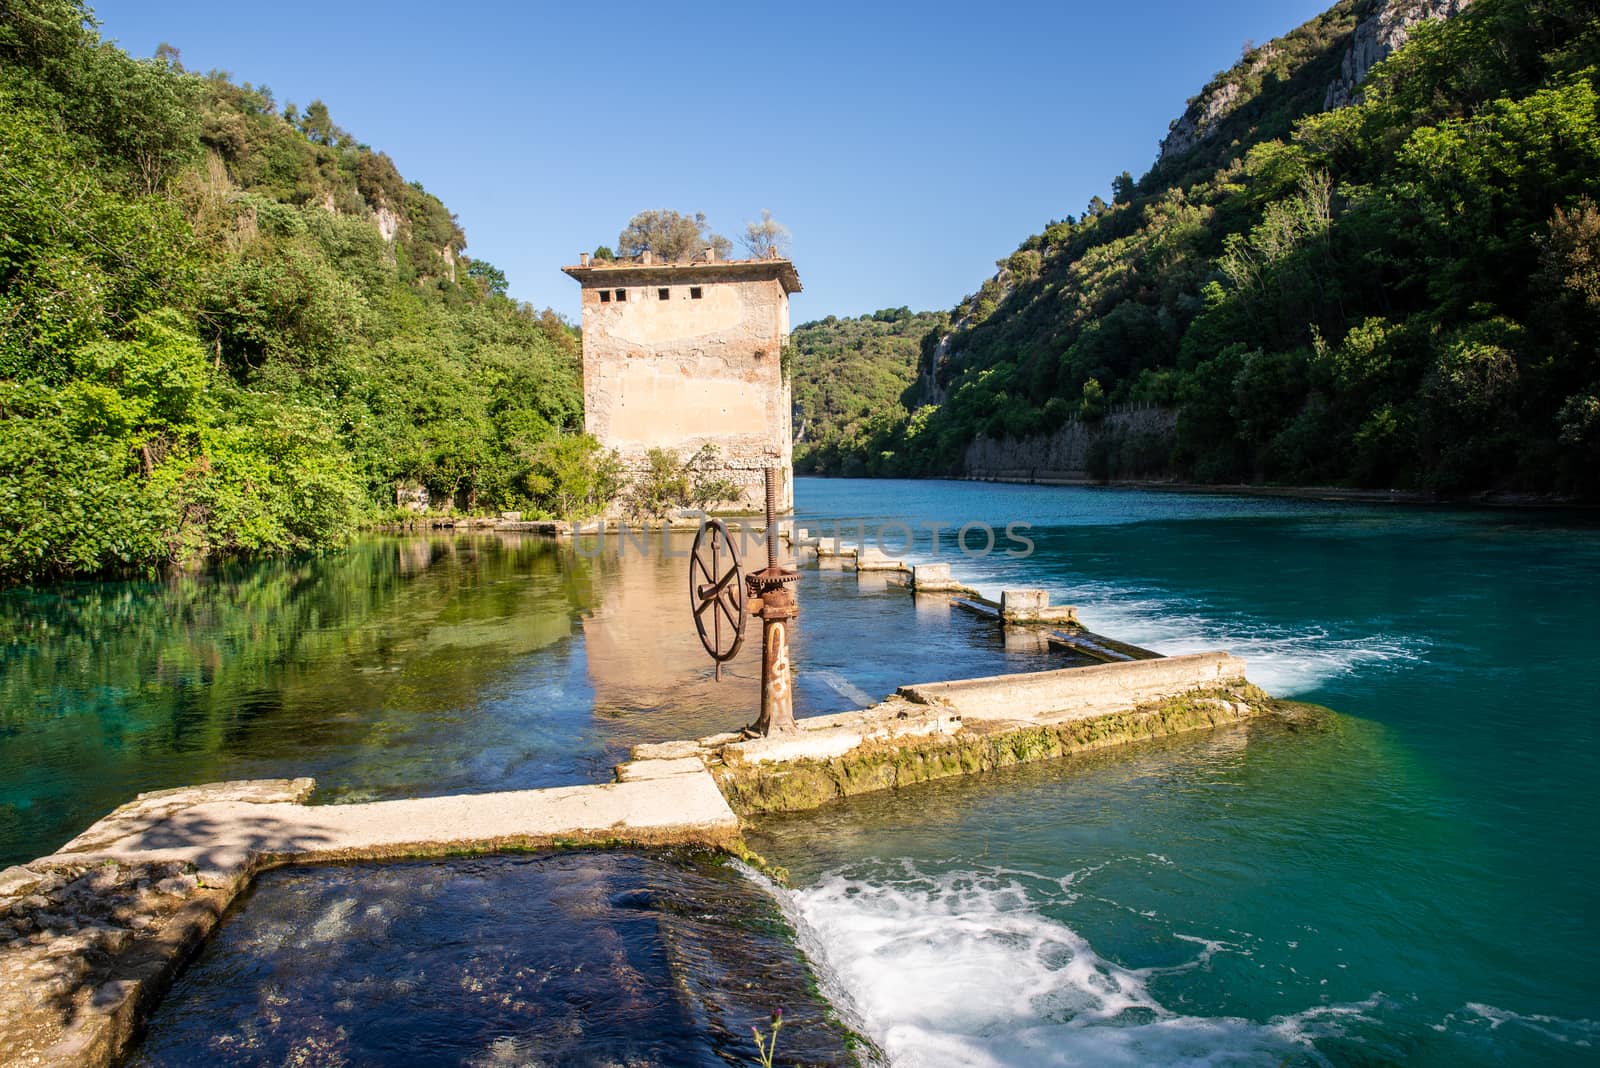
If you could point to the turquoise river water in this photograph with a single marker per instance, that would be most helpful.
(1413, 883)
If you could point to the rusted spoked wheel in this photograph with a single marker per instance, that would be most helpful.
(716, 592)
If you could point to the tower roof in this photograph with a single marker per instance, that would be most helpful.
(602, 273)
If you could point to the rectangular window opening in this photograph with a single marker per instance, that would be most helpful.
(622, 295)
(664, 294)
(605, 296)
(695, 293)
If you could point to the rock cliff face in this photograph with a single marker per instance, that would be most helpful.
(1128, 443)
(1206, 110)
(388, 222)
(1382, 29)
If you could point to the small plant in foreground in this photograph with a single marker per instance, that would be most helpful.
(767, 1046)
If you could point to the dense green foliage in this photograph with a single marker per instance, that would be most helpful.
(1402, 292)
(227, 329)
(849, 376)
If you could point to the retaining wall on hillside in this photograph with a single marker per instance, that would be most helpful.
(1130, 443)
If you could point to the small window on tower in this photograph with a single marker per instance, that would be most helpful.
(605, 296)
(664, 294)
(622, 295)
(695, 293)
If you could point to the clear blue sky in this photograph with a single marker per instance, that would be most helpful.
(907, 147)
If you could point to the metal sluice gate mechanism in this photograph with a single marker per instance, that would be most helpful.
(717, 596)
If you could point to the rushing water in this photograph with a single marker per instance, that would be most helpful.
(1415, 883)
(577, 959)
(1411, 882)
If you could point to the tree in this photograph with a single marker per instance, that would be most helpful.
(603, 252)
(1122, 189)
(767, 238)
(492, 278)
(318, 125)
(576, 475)
(670, 236)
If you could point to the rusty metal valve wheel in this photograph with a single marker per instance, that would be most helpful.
(716, 592)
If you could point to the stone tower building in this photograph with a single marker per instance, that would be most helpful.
(680, 355)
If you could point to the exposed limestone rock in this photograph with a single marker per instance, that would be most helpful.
(388, 222)
(80, 951)
(1382, 29)
(1383, 26)
(1202, 116)
(928, 387)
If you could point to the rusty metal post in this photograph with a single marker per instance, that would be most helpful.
(775, 605)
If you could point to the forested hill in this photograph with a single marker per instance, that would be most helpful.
(226, 326)
(1403, 292)
(848, 374)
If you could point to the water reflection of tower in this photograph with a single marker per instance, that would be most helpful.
(643, 663)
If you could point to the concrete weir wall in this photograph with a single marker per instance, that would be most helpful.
(941, 729)
(1074, 693)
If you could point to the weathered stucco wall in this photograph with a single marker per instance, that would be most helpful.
(679, 372)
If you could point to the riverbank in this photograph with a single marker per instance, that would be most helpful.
(1504, 499)
(1496, 499)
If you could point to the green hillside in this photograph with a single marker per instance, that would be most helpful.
(849, 376)
(228, 327)
(1402, 292)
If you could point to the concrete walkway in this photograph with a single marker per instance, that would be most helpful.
(222, 831)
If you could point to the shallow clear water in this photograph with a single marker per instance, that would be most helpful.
(1413, 883)
(412, 666)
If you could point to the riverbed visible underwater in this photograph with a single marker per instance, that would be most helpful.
(1411, 881)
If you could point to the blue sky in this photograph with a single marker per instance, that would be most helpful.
(907, 147)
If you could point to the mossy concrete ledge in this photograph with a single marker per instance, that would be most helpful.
(938, 730)
(91, 936)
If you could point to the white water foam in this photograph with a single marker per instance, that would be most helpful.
(963, 970)
(1565, 1031)
(1283, 660)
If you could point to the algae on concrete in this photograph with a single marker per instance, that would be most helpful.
(884, 765)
